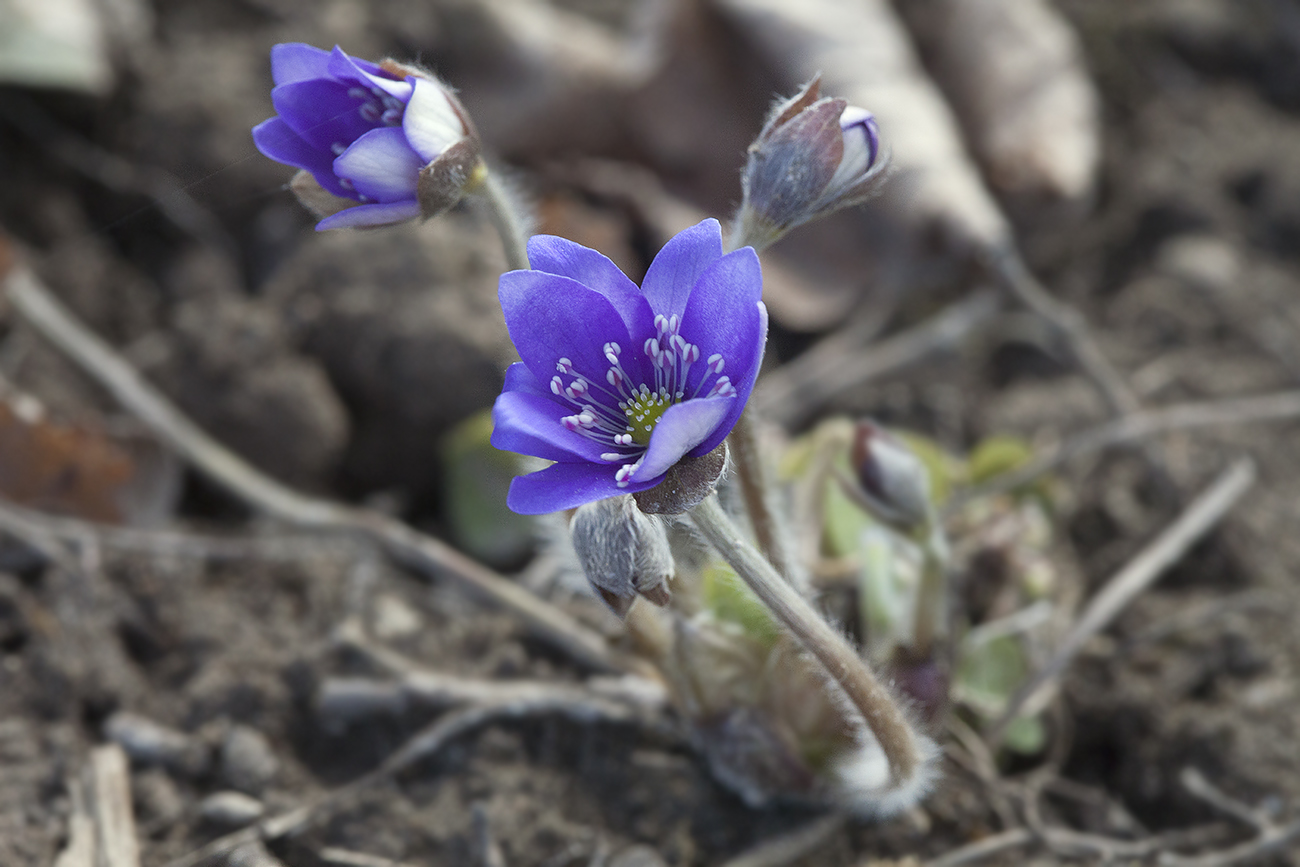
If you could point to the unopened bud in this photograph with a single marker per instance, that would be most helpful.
(813, 156)
(891, 479)
(623, 552)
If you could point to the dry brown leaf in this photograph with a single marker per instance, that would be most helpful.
(1013, 70)
(80, 472)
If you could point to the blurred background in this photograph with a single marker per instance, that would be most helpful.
(1142, 157)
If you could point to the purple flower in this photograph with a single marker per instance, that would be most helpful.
(618, 383)
(377, 143)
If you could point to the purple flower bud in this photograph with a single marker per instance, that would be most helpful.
(813, 156)
(892, 480)
(619, 383)
(377, 143)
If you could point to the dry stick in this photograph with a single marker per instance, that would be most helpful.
(983, 848)
(1282, 406)
(419, 552)
(422, 745)
(788, 848)
(1195, 521)
(114, 820)
(903, 747)
(41, 531)
(793, 392)
(1270, 836)
(1006, 262)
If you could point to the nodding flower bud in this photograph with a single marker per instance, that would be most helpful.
(815, 155)
(624, 553)
(377, 143)
(891, 480)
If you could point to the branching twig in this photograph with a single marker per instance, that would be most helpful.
(1282, 406)
(1069, 323)
(983, 848)
(1197, 519)
(793, 392)
(788, 848)
(425, 743)
(419, 552)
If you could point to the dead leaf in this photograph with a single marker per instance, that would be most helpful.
(79, 471)
(1013, 71)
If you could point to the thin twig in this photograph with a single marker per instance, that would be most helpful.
(907, 752)
(1282, 406)
(420, 747)
(114, 819)
(981, 849)
(788, 848)
(41, 530)
(794, 391)
(1068, 322)
(1169, 547)
(421, 553)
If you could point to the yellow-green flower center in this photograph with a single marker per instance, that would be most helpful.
(644, 413)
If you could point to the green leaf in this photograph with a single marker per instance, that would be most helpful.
(477, 477)
(1025, 735)
(729, 599)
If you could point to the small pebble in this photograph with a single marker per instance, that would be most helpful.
(150, 743)
(231, 809)
(247, 760)
(393, 618)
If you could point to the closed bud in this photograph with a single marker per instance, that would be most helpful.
(815, 155)
(891, 479)
(624, 553)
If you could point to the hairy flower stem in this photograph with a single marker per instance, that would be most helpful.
(756, 488)
(755, 484)
(901, 745)
(930, 613)
(504, 214)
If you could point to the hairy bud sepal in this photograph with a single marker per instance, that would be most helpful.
(814, 155)
(624, 552)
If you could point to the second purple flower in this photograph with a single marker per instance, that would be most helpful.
(377, 143)
(619, 383)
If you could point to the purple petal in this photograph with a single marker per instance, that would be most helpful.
(520, 378)
(566, 486)
(277, 140)
(321, 112)
(342, 65)
(381, 165)
(594, 270)
(722, 316)
(530, 425)
(430, 123)
(361, 216)
(673, 273)
(744, 386)
(297, 61)
(682, 428)
(552, 317)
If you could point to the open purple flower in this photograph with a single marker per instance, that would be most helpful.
(377, 143)
(619, 383)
